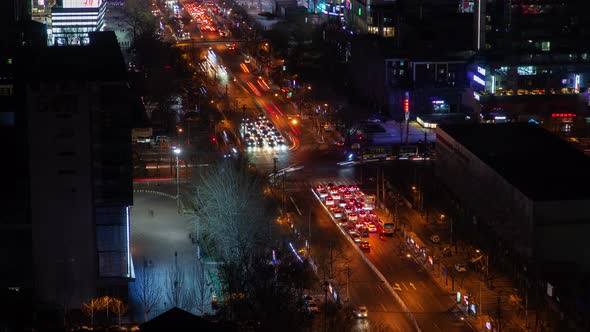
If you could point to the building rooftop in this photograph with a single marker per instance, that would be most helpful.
(101, 60)
(539, 164)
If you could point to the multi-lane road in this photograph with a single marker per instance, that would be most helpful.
(429, 304)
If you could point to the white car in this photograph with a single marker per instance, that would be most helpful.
(329, 201)
(337, 213)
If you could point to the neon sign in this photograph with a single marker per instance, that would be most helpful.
(479, 80)
(481, 71)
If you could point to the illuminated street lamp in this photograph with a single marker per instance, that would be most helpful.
(177, 152)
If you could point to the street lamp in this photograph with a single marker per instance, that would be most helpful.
(177, 152)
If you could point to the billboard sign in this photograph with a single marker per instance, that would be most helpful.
(81, 3)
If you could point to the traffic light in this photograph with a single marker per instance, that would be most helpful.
(213, 139)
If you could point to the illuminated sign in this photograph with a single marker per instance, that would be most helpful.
(563, 115)
(406, 105)
(360, 11)
(475, 95)
(81, 3)
(577, 83)
(481, 71)
(438, 102)
(478, 79)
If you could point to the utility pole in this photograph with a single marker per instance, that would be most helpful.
(383, 193)
(274, 162)
(243, 119)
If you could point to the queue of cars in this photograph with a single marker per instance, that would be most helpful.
(200, 15)
(261, 132)
(353, 210)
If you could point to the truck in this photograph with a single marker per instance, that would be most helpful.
(369, 202)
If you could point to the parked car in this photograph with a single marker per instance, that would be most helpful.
(435, 238)
(460, 267)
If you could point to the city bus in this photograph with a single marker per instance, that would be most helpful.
(376, 152)
(386, 227)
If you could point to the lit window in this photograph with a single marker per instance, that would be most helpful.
(546, 46)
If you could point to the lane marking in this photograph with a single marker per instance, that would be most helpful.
(406, 287)
(412, 285)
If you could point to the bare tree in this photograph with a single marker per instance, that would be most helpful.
(147, 289)
(231, 207)
(91, 307)
(118, 307)
(175, 284)
(198, 293)
(138, 17)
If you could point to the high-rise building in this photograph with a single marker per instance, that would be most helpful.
(66, 224)
(533, 63)
(531, 26)
(71, 21)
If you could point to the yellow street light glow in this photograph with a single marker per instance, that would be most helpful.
(294, 121)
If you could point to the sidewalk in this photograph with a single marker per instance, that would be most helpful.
(472, 285)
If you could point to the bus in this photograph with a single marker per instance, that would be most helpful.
(376, 152)
(407, 152)
(386, 227)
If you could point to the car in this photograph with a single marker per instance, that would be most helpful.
(372, 228)
(333, 190)
(271, 144)
(348, 195)
(329, 201)
(261, 116)
(356, 237)
(337, 213)
(339, 143)
(352, 188)
(341, 188)
(342, 203)
(323, 194)
(343, 222)
(307, 298)
(364, 232)
(336, 196)
(348, 209)
(373, 215)
(361, 312)
(353, 217)
(319, 187)
(435, 238)
(351, 231)
(365, 245)
(460, 267)
(362, 214)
